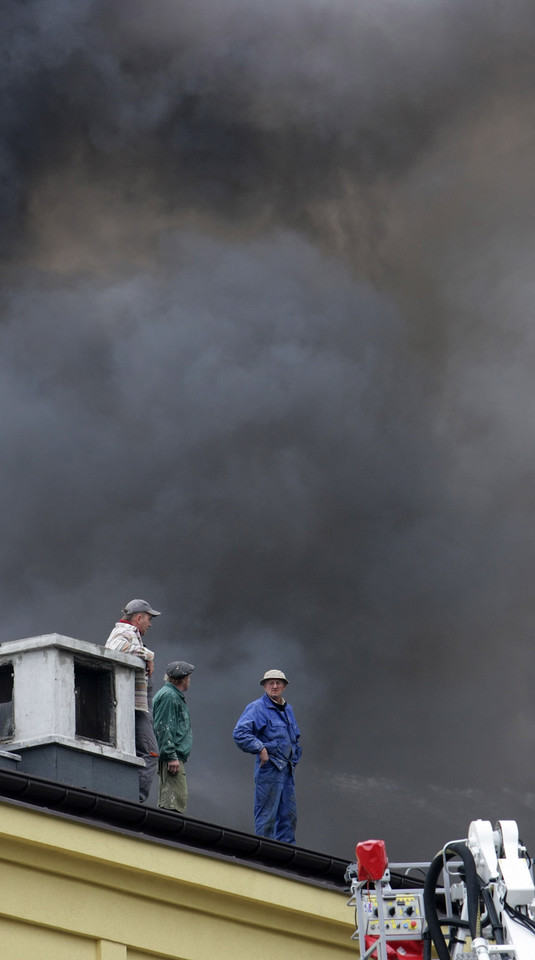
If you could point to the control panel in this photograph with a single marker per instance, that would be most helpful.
(403, 913)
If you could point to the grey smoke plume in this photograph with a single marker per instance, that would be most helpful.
(266, 355)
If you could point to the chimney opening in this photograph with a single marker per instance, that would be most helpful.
(7, 726)
(94, 697)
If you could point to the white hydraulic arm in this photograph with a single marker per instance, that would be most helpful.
(504, 871)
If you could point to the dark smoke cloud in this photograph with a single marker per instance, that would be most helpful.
(265, 358)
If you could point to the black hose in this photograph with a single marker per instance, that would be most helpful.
(461, 851)
(494, 920)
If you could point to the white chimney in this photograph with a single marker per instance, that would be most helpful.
(67, 710)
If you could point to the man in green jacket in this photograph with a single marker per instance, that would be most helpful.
(172, 726)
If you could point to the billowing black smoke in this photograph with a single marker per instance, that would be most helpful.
(266, 353)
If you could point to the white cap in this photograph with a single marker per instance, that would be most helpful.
(273, 675)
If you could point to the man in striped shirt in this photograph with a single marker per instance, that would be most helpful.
(126, 636)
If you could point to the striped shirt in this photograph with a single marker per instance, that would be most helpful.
(127, 638)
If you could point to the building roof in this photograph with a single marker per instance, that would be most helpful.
(162, 826)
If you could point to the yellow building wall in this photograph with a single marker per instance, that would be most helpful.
(71, 891)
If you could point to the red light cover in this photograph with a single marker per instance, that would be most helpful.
(372, 859)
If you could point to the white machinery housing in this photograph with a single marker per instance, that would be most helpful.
(480, 890)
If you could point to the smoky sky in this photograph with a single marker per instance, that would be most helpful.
(266, 360)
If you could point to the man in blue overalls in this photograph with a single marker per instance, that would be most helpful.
(268, 728)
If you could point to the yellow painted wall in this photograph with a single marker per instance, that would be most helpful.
(70, 891)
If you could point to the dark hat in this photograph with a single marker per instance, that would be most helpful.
(178, 669)
(140, 606)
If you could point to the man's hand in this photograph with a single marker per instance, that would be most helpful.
(264, 756)
(173, 766)
(150, 667)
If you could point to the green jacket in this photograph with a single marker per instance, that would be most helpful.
(172, 724)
